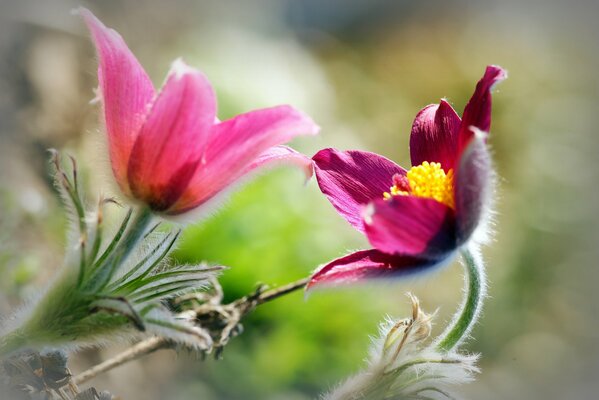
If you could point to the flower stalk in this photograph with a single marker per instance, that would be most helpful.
(467, 316)
(109, 289)
(12, 342)
(137, 229)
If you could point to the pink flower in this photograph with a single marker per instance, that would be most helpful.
(414, 219)
(168, 149)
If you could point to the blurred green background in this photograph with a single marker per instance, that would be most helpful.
(362, 69)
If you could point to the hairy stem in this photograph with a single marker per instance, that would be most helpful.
(11, 342)
(468, 314)
(136, 232)
(243, 306)
(132, 236)
(62, 312)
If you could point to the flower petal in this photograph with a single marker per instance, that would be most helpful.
(282, 154)
(478, 110)
(367, 264)
(410, 225)
(171, 142)
(237, 145)
(126, 91)
(351, 179)
(434, 135)
(472, 186)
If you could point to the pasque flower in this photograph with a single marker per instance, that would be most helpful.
(168, 149)
(416, 218)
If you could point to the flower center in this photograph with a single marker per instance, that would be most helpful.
(425, 180)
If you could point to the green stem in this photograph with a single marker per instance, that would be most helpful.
(132, 236)
(64, 310)
(12, 342)
(136, 231)
(468, 314)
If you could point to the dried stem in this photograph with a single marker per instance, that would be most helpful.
(263, 296)
(229, 315)
(136, 351)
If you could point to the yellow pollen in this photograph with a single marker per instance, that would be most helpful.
(427, 180)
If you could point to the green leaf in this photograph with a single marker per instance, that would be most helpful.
(124, 284)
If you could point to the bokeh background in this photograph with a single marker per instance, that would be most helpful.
(362, 69)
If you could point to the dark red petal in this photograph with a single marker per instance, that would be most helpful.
(368, 264)
(478, 110)
(351, 179)
(411, 225)
(472, 186)
(434, 135)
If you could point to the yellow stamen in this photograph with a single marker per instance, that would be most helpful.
(394, 191)
(427, 180)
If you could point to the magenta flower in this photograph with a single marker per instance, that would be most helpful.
(414, 219)
(168, 150)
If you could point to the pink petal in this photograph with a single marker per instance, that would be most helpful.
(351, 179)
(434, 135)
(410, 225)
(126, 92)
(367, 264)
(171, 143)
(284, 155)
(236, 144)
(478, 110)
(472, 186)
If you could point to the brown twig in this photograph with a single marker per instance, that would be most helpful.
(248, 303)
(138, 350)
(220, 319)
(282, 290)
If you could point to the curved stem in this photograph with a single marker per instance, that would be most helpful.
(468, 314)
